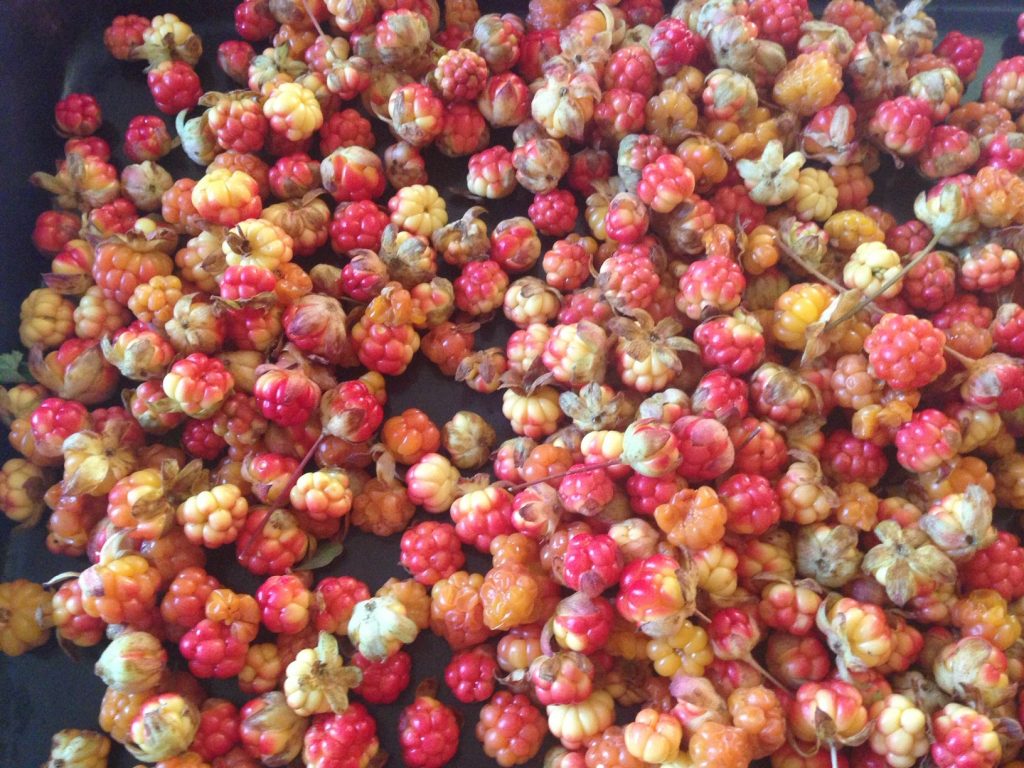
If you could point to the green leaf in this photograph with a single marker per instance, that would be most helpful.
(326, 553)
(14, 369)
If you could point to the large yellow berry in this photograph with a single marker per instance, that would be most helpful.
(257, 242)
(226, 197)
(808, 83)
(418, 209)
(671, 116)
(872, 266)
(293, 111)
(47, 318)
(25, 616)
(74, 748)
(153, 301)
(796, 309)
(22, 486)
(848, 229)
(687, 651)
(816, 196)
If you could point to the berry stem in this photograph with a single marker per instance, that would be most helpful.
(967, 361)
(286, 489)
(312, 18)
(753, 433)
(810, 268)
(835, 757)
(918, 258)
(760, 668)
(567, 473)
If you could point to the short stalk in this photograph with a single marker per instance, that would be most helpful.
(567, 473)
(918, 258)
(283, 495)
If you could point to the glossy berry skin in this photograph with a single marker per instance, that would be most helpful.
(1007, 329)
(384, 680)
(712, 283)
(592, 563)
(77, 114)
(752, 504)
(175, 86)
(334, 599)
(286, 397)
(199, 440)
(730, 344)
(850, 459)
(720, 396)
(428, 732)
(906, 352)
(963, 51)
(963, 738)
(212, 650)
(554, 213)
(348, 740)
(999, 566)
(53, 230)
(780, 20)
(927, 441)
(471, 675)
(674, 46)
(124, 34)
(234, 57)
(146, 138)
(431, 551)
(218, 729)
(284, 604)
(358, 224)
(511, 729)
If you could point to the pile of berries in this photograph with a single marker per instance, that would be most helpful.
(760, 433)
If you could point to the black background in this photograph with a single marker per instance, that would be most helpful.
(49, 48)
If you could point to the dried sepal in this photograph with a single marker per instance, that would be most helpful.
(318, 681)
(906, 563)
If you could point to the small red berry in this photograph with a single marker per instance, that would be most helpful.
(77, 114)
(471, 675)
(384, 680)
(175, 86)
(431, 551)
(428, 732)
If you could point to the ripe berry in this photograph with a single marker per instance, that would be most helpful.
(383, 681)
(347, 740)
(77, 114)
(511, 729)
(905, 351)
(175, 86)
(999, 566)
(752, 504)
(592, 563)
(428, 732)
(471, 675)
(218, 729)
(674, 45)
(212, 650)
(554, 213)
(431, 551)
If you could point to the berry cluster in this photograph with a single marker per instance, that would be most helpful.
(757, 429)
